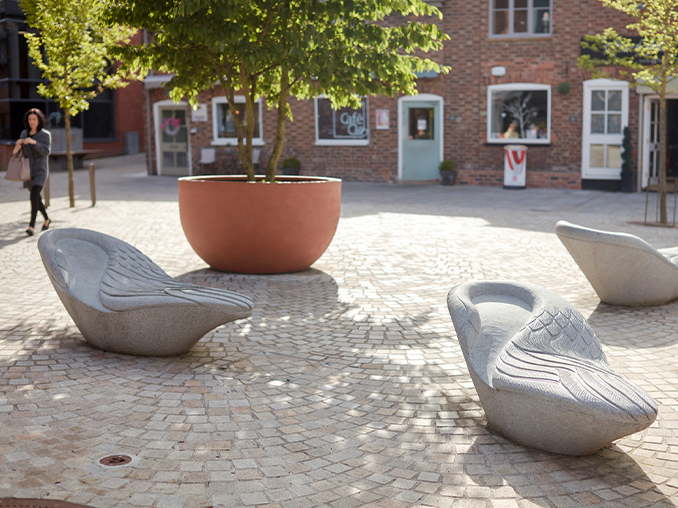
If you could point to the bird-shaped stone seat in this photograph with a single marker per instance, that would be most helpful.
(622, 268)
(539, 371)
(123, 302)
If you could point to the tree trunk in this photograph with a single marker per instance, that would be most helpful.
(244, 136)
(272, 164)
(69, 160)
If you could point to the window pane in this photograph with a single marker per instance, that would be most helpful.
(500, 25)
(181, 116)
(520, 21)
(98, 120)
(542, 21)
(168, 159)
(421, 123)
(597, 156)
(344, 123)
(519, 115)
(542, 3)
(501, 4)
(613, 156)
(226, 124)
(598, 124)
(614, 100)
(520, 4)
(173, 126)
(614, 124)
(598, 100)
(182, 160)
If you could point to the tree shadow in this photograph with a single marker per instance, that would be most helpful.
(12, 233)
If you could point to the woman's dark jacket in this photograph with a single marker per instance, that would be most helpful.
(38, 155)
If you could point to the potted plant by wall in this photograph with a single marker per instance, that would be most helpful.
(448, 172)
(272, 51)
(627, 173)
(290, 166)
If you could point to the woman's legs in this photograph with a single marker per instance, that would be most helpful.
(37, 205)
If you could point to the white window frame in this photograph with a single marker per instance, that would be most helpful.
(588, 172)
(239, 99)
(522, 87)
(530, 22)
(341, 142)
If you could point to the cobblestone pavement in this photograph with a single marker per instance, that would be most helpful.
(346, 387)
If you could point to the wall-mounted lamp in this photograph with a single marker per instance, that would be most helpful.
(498, 71)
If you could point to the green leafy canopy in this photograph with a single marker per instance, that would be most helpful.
(71, 47)
(275, 49)
(648, 63)
(652, 62)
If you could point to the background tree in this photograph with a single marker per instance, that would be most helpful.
(72, 50)
(274, 49)
(653, 62)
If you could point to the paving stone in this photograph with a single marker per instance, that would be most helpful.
(345, 387)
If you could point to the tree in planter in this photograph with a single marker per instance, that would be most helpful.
(653, 62)
(72, 50)
(274, 49)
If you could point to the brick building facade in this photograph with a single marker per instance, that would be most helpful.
(113, 125)
(508, 59)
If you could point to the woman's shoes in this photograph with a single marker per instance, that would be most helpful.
(30, 231)
(46, 225)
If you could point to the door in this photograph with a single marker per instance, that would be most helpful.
(421, 136)
(650, 140)
(605, 116)
(173, 142)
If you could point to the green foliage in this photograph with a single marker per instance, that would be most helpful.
(274, 49)
(649, 63)
(72, 49)
(652, 63)
(627, 152)
(290, 162)
(447, 165)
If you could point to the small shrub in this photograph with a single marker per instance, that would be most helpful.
(627, 152)
(447, 165)
(290, 162)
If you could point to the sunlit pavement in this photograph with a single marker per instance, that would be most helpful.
(346, 387)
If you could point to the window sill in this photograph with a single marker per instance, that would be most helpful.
(234, 142)
(520, 38)
(518, 142)
(347, 142)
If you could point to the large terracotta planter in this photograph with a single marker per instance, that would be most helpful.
(259, 227)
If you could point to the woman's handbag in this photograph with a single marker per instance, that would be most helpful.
(18, 169)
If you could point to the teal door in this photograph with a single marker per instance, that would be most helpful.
(421, 135)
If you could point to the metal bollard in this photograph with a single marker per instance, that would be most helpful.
(46, 191)
(92, 188)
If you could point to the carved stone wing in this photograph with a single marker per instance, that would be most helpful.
(556, 357)
(132, 280)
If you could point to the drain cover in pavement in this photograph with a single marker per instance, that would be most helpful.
(116, 460)
(37, 503)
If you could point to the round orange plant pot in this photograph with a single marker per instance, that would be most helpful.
(259, 227)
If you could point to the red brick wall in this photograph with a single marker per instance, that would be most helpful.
(544, 60)
(471, 54)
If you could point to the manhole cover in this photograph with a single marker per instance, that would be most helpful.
(115, 460)
(37, 503)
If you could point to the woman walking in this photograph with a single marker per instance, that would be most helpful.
(36, 143)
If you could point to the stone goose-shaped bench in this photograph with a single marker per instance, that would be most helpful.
(622, 268)
(539, 371)
(123, 302)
